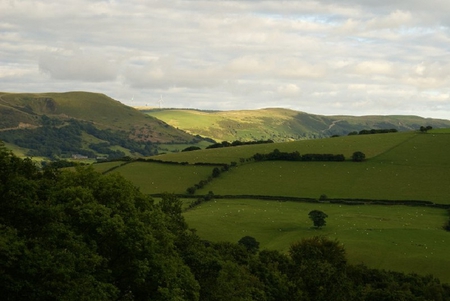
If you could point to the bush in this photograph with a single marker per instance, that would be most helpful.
(358, 156)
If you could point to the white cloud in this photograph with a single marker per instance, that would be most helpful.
(289, 90)
(76, 65)
(326, 56)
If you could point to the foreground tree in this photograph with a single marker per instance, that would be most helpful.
(318, 217)
(81, 235)
(320, 269)
(250, 243)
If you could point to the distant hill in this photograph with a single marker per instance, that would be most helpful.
(281, 124)
(89, 124)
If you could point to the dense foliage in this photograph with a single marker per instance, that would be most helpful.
(276, 154)
(373, 131)
(57, 139)
(79, 235)
(237, 143)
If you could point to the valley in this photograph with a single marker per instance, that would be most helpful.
(388, 211)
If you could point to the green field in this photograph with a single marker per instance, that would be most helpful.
(399, 166)
(371, 145)
(281, 124)
(400, 238)
(153, 177)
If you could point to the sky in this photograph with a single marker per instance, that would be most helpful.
(352, 57)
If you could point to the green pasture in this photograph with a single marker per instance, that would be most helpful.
(417, 168)
(186, 118)
(153, 177)
(440, 131)
(399, 238)
(105, 166)
(371, 145)
(178, 147)
(18, 151)
(367, 180)
(246, 125)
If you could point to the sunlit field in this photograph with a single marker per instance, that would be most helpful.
(153, 177)
(371, 145)
(401, 238)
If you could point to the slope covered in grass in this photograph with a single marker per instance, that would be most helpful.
(103, 111)
(409, 167)
(399, 166)
(154, 178)
(371, 145)
(399, 238)
(59, 125)
(281, 124)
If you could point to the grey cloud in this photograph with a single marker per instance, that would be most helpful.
(77, 66)
(324, 56)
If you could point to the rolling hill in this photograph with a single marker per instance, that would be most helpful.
(270, 200)
(281, 124)
(92, 123)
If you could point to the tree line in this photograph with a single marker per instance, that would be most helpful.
(80, 235)
(56, 139)
(373, 131)
(237, 143)
(276, 154)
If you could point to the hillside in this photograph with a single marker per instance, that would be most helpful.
(407, 165)
(280, 124)
(99, 238)
(270, 200)
(92, 123)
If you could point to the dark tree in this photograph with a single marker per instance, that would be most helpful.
(425, 129)
(318, 217)
(250, 244)
(320, 263)
(216, 172)
(191, 148)
(358, 156)
(323, 197)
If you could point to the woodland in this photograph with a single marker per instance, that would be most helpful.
(80, 235)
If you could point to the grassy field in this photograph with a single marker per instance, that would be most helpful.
(246, 125)
(26, 109)
(105, 166)
(336, 180)
(153, 177)
(399, 166)
(371, 145)
(280, 124)
(400, 238)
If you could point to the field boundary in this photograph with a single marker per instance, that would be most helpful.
(395, 146)
(343, 201)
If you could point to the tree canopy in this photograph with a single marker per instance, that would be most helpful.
(79, 235)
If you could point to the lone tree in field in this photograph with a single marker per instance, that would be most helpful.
(318, 217)
(358, 156)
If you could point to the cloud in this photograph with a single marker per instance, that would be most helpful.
(78, 66)
(325, 56)
(289, 90)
